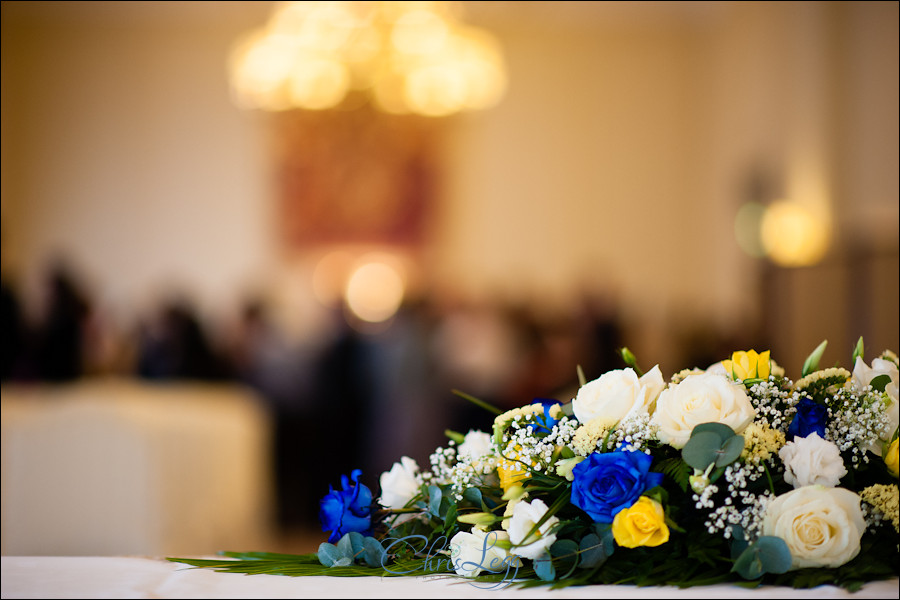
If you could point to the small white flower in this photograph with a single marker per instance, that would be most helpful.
(524, 517)
(472, 553)
(812, 461)
(400, 485)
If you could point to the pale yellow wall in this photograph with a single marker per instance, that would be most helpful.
(619, 154)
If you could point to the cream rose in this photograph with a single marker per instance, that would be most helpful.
(399, 485)
(702, 398)
(472, 553)
(821, 526)
(812, 461)
(525, 516)
(618, 394)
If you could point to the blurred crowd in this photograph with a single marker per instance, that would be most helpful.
(356, 398)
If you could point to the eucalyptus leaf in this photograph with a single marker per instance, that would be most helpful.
(721, 429)
(473, 495)
(450, 517)
(345, 546)
(604, 532)
(434, 500)
(702, 449)
(812, 361)
(582, 380)
(775, 554)
(565, 552)
(730, 451)
(373, 552)
(328, 554)
(543, 568)
(592, 552)
(768, 554)
(738, 542)
(357, 544)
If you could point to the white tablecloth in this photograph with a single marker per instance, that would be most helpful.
(133, 577)
(115, 467)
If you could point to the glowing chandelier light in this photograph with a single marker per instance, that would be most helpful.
(407, 57)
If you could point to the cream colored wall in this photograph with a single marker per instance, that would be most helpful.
(619, 155)
(587, 177)
(123, 153)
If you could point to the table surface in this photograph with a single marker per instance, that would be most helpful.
(146, 577)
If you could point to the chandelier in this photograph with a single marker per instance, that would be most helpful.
(404, 57)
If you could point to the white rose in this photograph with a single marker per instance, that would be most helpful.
(863, 375)
(399, 485)
(618, 394)
(821, 526)
(524, 517)
(472, 553)
(812, 461)
(702, 398)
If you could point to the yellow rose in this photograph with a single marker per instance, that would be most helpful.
(511, 472)
(892, 460)
(642, 524)
(748, 365)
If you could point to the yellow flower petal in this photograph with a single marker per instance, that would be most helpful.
(642, 524)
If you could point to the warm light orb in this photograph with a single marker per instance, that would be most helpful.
(374, 291)
(792, 235)
(407, 56)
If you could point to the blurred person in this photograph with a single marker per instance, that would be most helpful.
(59, 336)
(173, 344)
(282, 371)
(13, 333)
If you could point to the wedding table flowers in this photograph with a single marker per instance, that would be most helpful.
(733, 473)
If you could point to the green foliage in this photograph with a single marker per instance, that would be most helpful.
(812, 361)
(767, 554)
(858, 351)
(712, 444)
(880, 382)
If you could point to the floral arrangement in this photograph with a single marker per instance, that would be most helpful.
(734, 473)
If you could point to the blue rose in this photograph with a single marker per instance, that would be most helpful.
(811, 417)
(605, 483)
(348, 509)
(544, 422)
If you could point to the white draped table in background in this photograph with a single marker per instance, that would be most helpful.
(117, 466)
(135, 577)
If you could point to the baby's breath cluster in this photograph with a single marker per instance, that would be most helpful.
(736, 505)
(856, 421)
(635, 432)
(773, 403)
